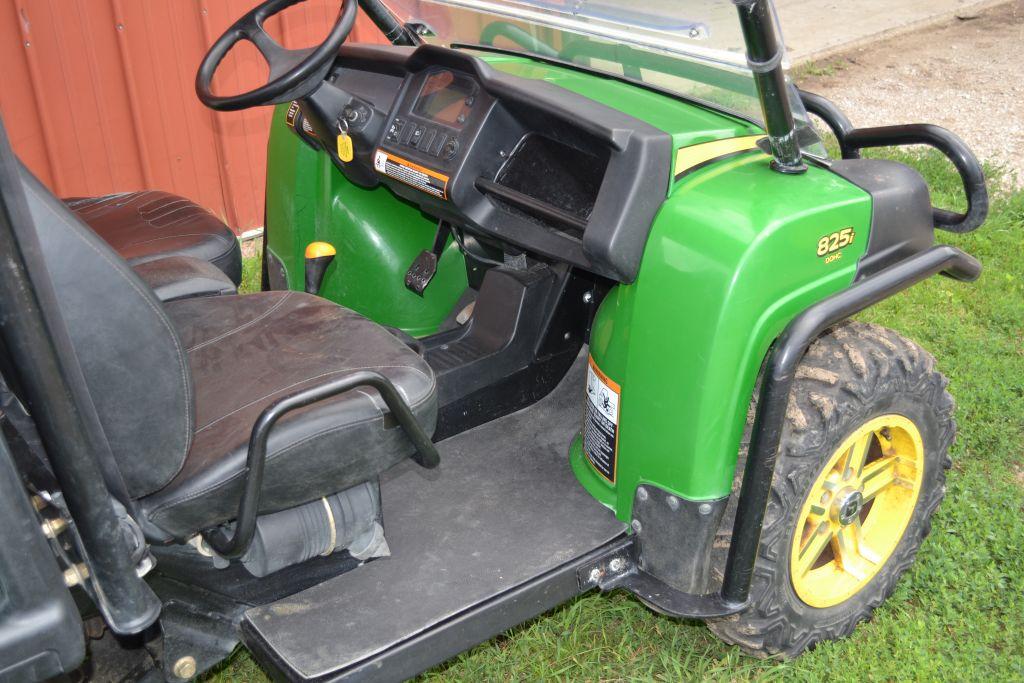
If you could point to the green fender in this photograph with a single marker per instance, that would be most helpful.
(731, 259)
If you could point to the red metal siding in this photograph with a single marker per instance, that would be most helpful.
(98, 96)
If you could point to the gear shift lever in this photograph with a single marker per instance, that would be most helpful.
(318, 256)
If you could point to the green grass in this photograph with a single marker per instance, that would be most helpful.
(958, 614)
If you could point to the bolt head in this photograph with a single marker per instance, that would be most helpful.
(185, 667)
(595, 575)
(641, 493)
(636, 526)
(617, 565)
(704, 508)
(588, 297)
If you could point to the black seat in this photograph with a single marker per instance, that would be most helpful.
(177, 387)
(150, 225)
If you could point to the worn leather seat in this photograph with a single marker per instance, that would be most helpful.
(176, 387)
(149, 225)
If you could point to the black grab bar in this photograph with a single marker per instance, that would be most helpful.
(248, 507)
(852, 140)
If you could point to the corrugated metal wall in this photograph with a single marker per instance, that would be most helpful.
(98, 96)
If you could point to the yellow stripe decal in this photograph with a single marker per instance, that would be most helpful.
(688, 158)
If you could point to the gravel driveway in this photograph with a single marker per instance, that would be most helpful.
(965, 74)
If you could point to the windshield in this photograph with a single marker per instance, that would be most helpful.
(692, 48)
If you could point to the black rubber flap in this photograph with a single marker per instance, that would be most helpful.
(502, 509)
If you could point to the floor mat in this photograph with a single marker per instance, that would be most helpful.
(502, 508)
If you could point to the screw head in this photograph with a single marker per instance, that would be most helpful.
(704, 508)
(595, 575)
(617, 565)
(185, 667)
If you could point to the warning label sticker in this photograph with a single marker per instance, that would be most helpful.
(403, 170)
(601, 421)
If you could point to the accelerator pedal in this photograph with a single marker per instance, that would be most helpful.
(424, 266)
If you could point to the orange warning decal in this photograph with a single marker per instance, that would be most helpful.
(412, 174)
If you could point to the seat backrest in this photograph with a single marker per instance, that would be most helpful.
(133, 361)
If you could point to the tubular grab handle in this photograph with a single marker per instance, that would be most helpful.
(248, 508)
(852, 140)
(955, 150)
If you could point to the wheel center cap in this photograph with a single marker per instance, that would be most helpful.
(847, 507)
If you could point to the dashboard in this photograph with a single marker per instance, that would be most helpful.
(514, 161)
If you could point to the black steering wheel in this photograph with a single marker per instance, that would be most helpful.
(293, 73)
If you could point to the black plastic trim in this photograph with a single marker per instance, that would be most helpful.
(531, 205)
(635, 184)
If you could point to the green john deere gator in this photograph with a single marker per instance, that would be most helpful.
(555, 299)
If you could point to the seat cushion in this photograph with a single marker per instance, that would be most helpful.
(143, 226)
(246, 352)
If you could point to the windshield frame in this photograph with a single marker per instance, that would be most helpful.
(600, 29)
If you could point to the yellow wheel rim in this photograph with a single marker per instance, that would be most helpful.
(856, 512)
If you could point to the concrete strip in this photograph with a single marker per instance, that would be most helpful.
(817, 29)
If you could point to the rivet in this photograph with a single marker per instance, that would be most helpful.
(636, 525)
(185, 667)
(704, 508)
(641, 493)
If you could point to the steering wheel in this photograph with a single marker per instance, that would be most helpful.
(293, 73)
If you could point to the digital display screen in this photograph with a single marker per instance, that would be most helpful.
(444, 98)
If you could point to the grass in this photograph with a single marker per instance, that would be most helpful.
(958, 614)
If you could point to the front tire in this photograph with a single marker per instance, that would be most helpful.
(861, 470)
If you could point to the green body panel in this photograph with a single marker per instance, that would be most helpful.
(376, 234)
(731, 260)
